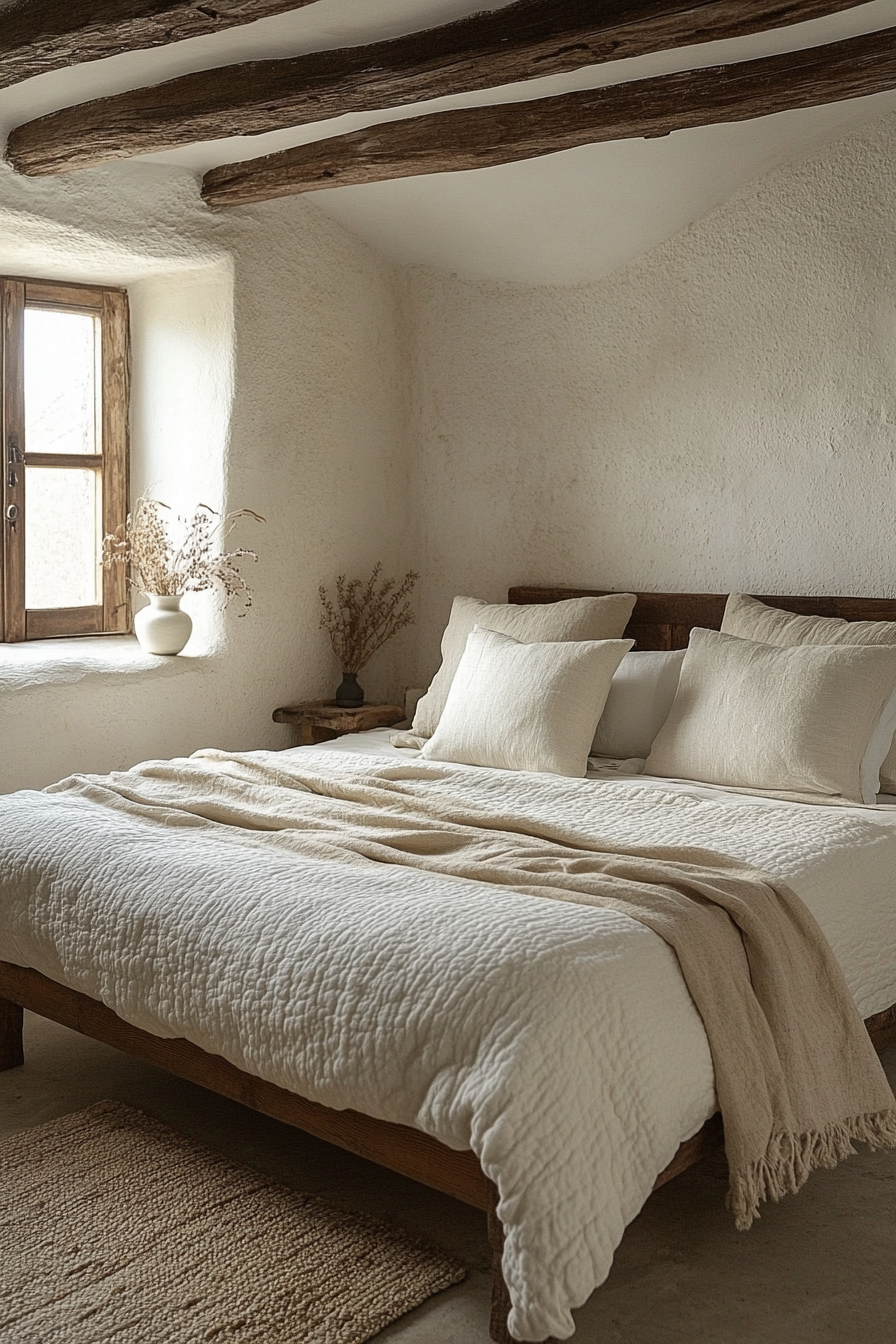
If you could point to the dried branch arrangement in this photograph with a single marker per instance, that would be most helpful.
(198, 563)
(365, 615)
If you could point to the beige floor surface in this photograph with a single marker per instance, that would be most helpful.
(818, 1269)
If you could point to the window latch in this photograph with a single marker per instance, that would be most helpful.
(15, 456)
(12, 513)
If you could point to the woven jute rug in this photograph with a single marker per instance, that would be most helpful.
(116, 1230)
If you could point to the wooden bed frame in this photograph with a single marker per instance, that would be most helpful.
(659, 621)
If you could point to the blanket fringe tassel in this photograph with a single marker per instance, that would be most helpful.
(791, 1158)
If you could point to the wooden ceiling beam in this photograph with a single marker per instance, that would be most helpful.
(481, 137)
(41, 35)
(521, 41)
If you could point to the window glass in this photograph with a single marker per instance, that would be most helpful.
(61, 384)
(62, 525)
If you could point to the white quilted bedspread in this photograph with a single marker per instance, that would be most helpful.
(557, 1041)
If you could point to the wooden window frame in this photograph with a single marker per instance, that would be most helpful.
(110, 305)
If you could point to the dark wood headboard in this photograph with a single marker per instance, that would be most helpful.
(665, 620)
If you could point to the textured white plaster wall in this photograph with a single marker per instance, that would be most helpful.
(719, 414)
(268, 373)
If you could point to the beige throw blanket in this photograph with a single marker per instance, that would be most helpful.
(796, 1075)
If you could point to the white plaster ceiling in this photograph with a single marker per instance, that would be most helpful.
(562, 219)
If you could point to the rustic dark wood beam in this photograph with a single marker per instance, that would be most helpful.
(41, 35)
(480, 137)
(521, 41)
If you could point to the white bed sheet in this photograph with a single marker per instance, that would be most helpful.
(557, 1041)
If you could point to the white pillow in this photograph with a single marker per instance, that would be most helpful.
(748, 618)
(813, 719)
(520, 706)
(641, 695)
(579, 618)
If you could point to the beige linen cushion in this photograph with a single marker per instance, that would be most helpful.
(813, 719)
(520, 706)
(580, 618)
(748, 618)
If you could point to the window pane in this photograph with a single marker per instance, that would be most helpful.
(62, 526)
(61, 352)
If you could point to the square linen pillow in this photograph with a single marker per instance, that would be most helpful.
(814, 719)
(641, 695)
(580, 618)
(520, 706)
(748, 618)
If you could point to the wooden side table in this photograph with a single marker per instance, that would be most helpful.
(322, 720)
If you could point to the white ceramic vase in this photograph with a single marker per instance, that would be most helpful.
(162, 627)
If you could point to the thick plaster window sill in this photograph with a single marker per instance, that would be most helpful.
(47, 662)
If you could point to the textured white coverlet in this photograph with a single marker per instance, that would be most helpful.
(558, 1041)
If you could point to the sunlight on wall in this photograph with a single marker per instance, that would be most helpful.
(268, 373)
(181, 403)
(182, 355)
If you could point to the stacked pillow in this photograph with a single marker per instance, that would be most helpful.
(748, 618)
(812, 720)
(522, 687)
(762, 711)
(774, 702)
(580, 618)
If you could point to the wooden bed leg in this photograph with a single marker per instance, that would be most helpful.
(12, 1050)
(500, 1296)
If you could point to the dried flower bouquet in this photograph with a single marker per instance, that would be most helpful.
(158, 567)
(361, 620)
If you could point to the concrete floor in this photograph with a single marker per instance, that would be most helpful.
(818, 1269)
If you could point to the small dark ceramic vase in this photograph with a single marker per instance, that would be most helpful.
(349, 694)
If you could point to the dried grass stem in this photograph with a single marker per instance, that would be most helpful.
(156, 566)
(365, 615)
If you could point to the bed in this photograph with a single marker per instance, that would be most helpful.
(816, 849)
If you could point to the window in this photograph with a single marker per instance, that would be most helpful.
(65, 365)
